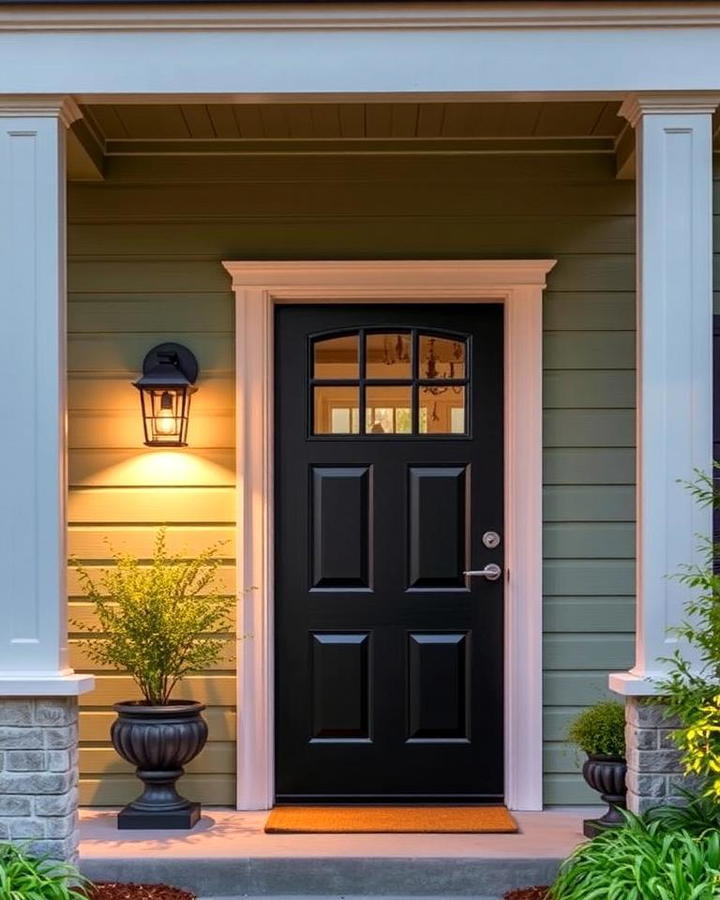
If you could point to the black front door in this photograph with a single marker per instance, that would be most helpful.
(389, 486)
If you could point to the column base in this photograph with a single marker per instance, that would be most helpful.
(654, 774)
(130, 819)
(39, 774)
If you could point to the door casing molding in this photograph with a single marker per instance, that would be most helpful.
(518, 285)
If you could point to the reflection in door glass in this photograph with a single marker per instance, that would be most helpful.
(441, 358)
(336, 358)
(388, 355)
(398, 382)
(442, 412)
(335, 410)
(388, 410)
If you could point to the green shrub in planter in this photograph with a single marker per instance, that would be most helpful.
(26, 877)
(159, 623)
(642, 861)
(600, 730)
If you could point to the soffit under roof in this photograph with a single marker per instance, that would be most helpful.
(337, 121)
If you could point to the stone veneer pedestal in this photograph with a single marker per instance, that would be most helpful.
(654, 773)
(39, 773)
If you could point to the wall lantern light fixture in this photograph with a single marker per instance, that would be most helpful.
(166, 385)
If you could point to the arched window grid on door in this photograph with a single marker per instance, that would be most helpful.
(389, 382)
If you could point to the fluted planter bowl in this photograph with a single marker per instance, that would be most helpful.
(606, 775)
(159, 741)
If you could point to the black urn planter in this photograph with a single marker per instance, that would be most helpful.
(159, 741)
(606, 775)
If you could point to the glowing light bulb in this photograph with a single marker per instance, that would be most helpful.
(166, 423)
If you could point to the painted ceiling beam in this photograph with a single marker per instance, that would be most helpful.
(356, 146)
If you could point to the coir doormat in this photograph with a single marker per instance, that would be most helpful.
(390, 820)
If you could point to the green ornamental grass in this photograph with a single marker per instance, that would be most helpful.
(699, 813)
(642, 861)
(27, 877)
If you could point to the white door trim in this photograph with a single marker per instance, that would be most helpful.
(518, 284)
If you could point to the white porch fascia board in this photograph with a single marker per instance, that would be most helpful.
(356, 51)
(518, 285)
(674, 368)
(344, 16)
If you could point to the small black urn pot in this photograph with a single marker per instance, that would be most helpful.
(606, 775)
(159, 741)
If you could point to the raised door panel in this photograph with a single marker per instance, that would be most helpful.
(438, 687)
(340, 686)
(438, 531)
(341, 525)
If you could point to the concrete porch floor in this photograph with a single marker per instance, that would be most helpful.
(229, 854)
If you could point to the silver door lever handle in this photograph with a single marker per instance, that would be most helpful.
(492, 572)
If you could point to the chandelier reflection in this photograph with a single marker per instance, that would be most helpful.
(400, 353)
(436, 368)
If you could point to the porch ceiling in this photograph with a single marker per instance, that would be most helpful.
(277, 121)
(156, 129)
(152, 129)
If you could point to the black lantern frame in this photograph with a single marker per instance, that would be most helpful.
(166, 386)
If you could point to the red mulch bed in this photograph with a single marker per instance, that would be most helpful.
(531, 893)
(112, 890)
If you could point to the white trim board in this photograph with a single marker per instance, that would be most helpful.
(305, 50)
(482, 16)
(518, 285)
(30, 685)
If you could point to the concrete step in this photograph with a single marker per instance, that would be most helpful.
(348, 877)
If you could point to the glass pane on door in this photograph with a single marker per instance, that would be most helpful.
(388, 410)
(442, 410)
(336, 358)
(335, 410)
(388, 355)
(441, 357)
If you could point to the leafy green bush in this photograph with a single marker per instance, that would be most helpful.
(161, 622)
(600, 730)
(26, 877)
(692, 693)
(642, 861)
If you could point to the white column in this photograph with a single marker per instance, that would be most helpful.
(674, 365)
(33, 559)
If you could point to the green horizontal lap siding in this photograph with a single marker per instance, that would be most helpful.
(589, 476)
(601, 390)
(145, 249)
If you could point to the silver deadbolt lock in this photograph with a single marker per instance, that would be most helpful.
(491, 539)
